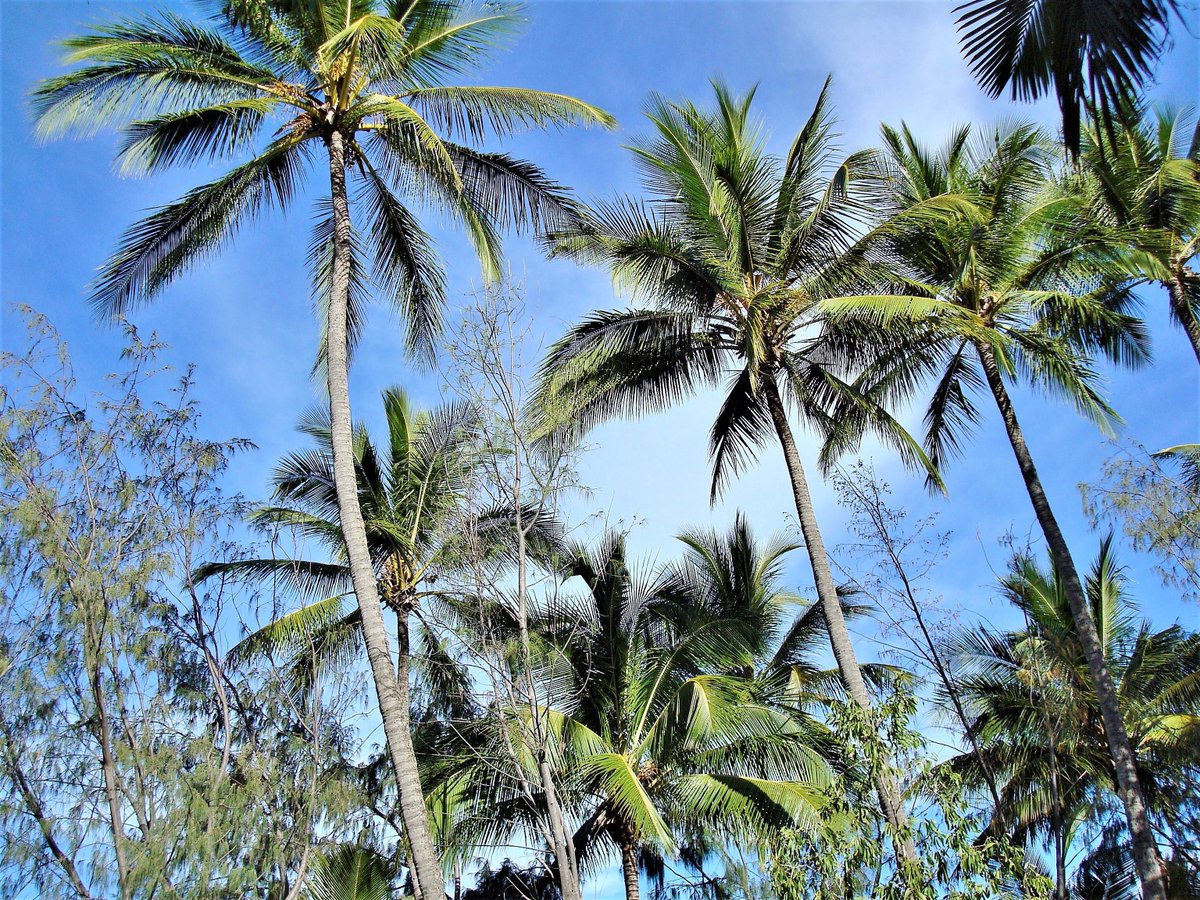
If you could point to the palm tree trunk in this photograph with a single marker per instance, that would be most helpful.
(1182, 310)
(843, 650)
(1145, 851)
(629, 868)
(426, 871)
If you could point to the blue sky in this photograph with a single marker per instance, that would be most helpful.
(244, 317)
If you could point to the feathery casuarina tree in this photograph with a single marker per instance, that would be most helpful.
(360, 85)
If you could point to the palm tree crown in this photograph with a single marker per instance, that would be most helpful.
(986, 241)
(412, 491)
(270, 84)
(735, 249)
(1088, 53)
(667, 735)
(1020, 685)
(1141, 179)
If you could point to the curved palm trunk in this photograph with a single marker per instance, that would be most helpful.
(629, 868)
(1145, 851)
(393, 707)
(843, 650)
(1183, 311)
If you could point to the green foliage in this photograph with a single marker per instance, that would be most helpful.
(268, 83)
(1039, 722)
(849, 855)
(667, 729)
(1156, 508)
(132, 761)
(1001, 281)
(350, 873)
(732, 253)
(1088, 54)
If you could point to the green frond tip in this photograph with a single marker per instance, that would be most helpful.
(1188, 458)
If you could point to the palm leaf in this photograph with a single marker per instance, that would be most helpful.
(623, 363)
(350, 873)
(474, 111)
(161, 247)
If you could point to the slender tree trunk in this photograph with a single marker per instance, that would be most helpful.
(1056, 818)
(108, 762)
(629, 868)
(33, 805)
(872, 507)
(1145, 851)
(1181, 308)
(888, 791)
(426, 871)
(561, 840)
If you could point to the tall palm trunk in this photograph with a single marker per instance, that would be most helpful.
(843, 651)
(629, 868)
(1145, 851)
(1182, 308)
(393, 708)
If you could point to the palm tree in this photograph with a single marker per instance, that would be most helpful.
(1142, 178)
(736, 251)
(1035, 707)
(662, 725)
(412, 494)
(364, 82)
(1087, 52)
(1001, 299)
(350, 873)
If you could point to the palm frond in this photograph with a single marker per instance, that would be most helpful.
(623, 363)
(207, 134)
(405, 265)
(350, 873)
(1187, 456)
(307, 578)
(741, 428)
(154, 65)
(161, 247)
(475, 111)
(518, 194)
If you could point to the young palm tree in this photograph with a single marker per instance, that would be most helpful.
(361, 85)
(662, 726)
(1019, 684)
(411, 495)
(412, 490)
(1001, 300)
(736, 252)
(1089, 53)
(1142, 177)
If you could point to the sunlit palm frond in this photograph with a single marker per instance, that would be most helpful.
(477, 111)
(624, 363)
